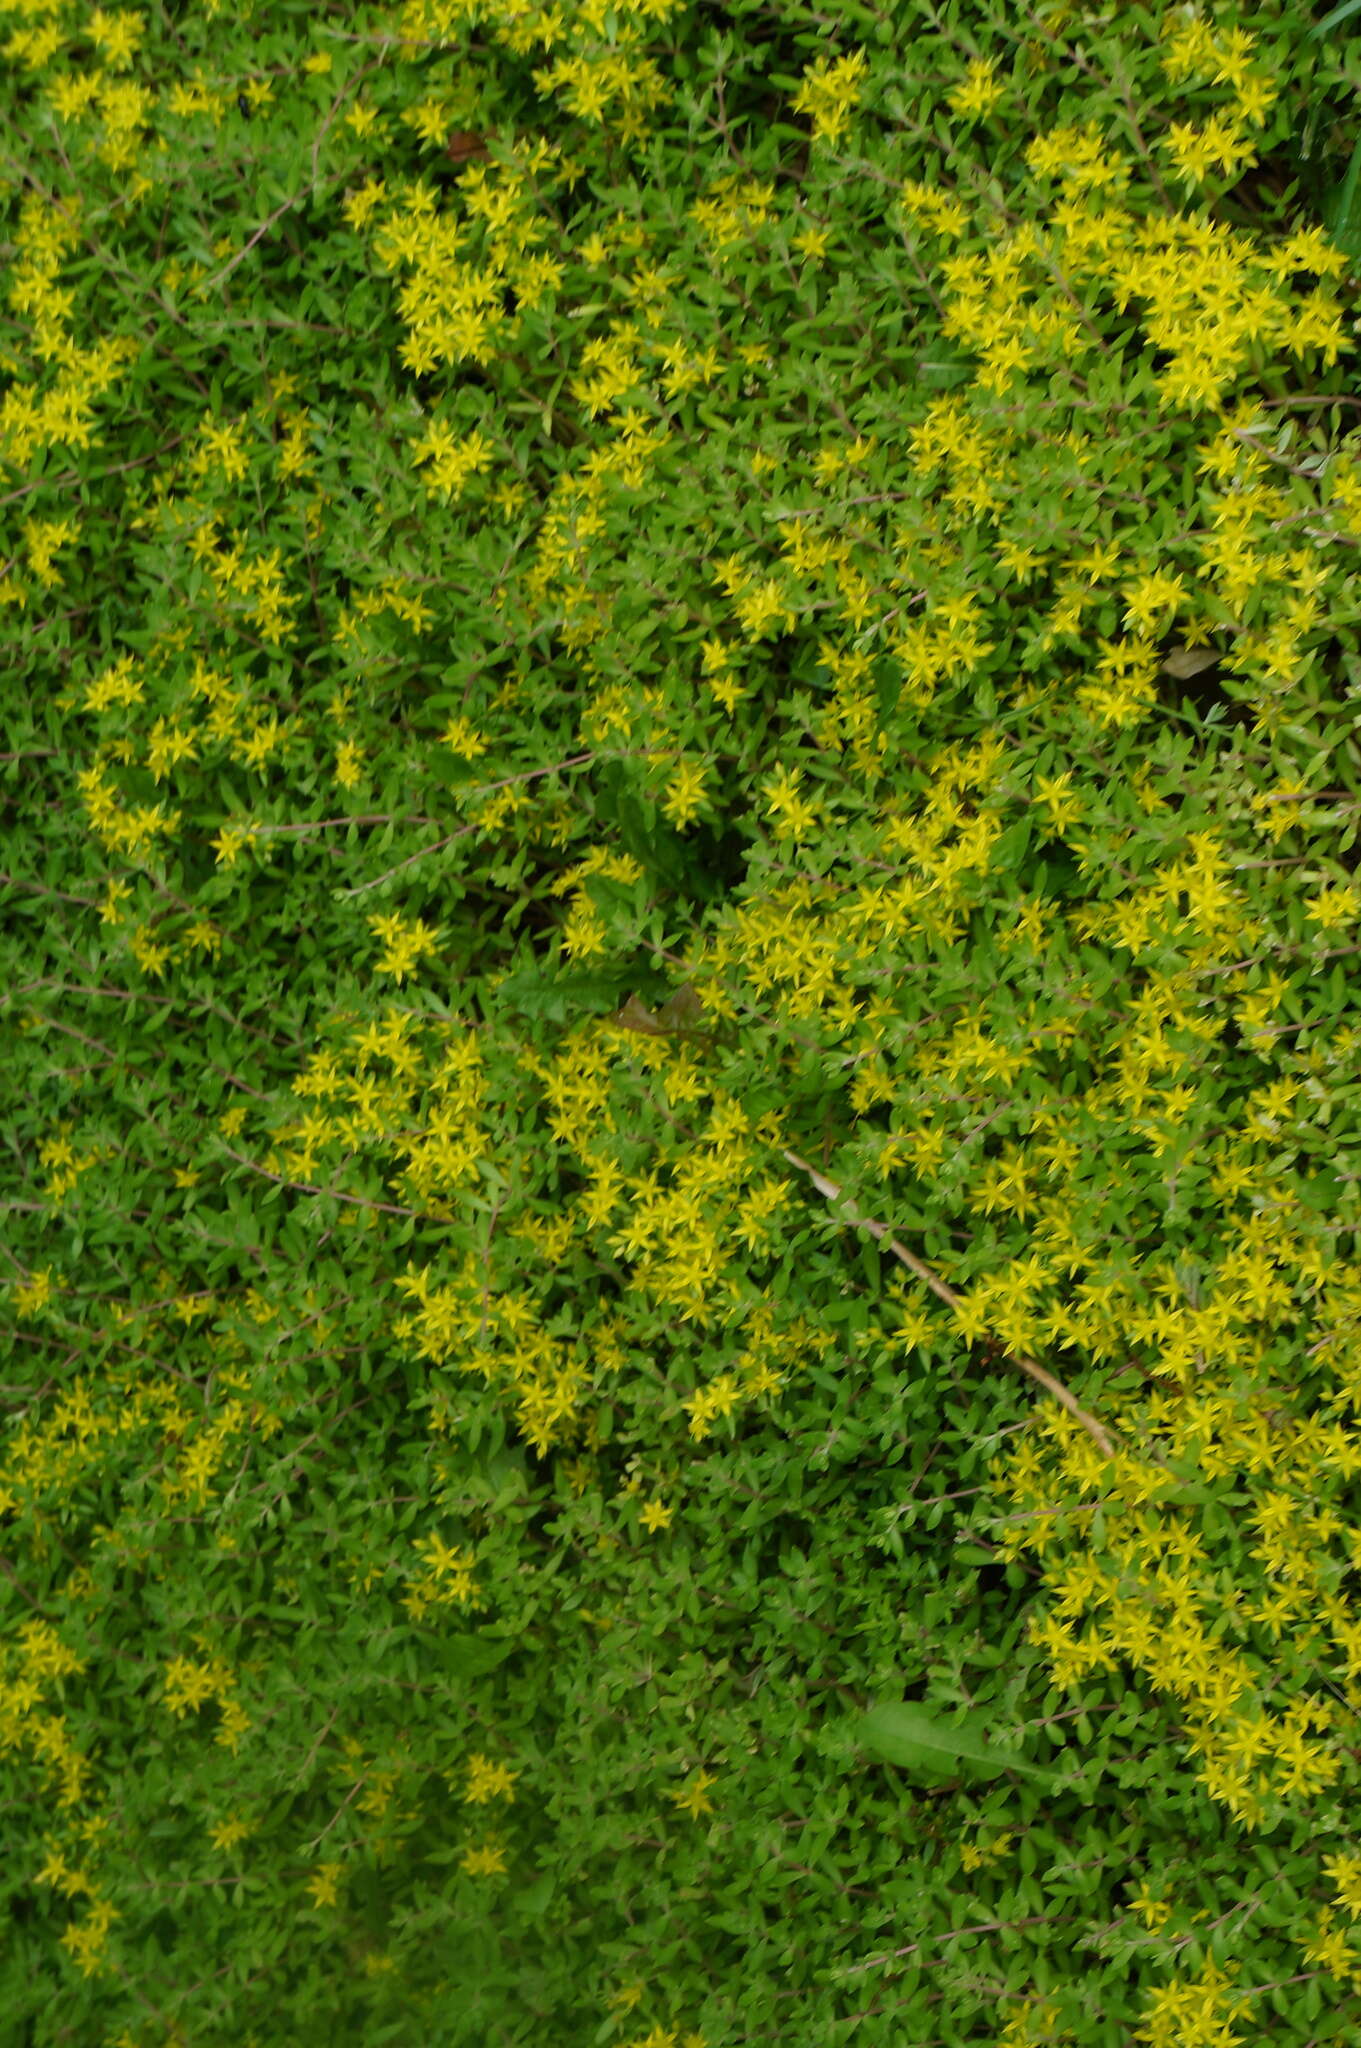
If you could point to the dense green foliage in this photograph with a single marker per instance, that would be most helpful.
(680, 782)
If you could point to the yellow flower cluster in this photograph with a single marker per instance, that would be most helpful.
(67, 1165)
(453, 460)
(1195, 2012)
(447, 1579)
(406, 942)
(830, 91)
(190, 1682)
(488, 1780)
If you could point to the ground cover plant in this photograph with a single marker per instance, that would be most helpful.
(681, 1094)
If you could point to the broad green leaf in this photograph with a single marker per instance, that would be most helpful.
(901, 1733)
(471, 1656)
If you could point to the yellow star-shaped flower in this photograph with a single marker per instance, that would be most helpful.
(692, 1798)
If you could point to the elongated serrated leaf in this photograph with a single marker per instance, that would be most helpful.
(1341, 206)
(557, 996)
(1334, 20)
(901, 1733)
(941, 372)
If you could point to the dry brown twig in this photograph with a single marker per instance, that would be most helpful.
(947, 1294)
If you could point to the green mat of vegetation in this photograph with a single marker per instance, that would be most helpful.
(681, 1097)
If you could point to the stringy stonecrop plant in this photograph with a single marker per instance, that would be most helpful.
(618, 617)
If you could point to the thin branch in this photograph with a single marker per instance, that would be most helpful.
(484, 789)
(953, 1301)
(956, 1934)
(263, 229)
(307, 1187)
